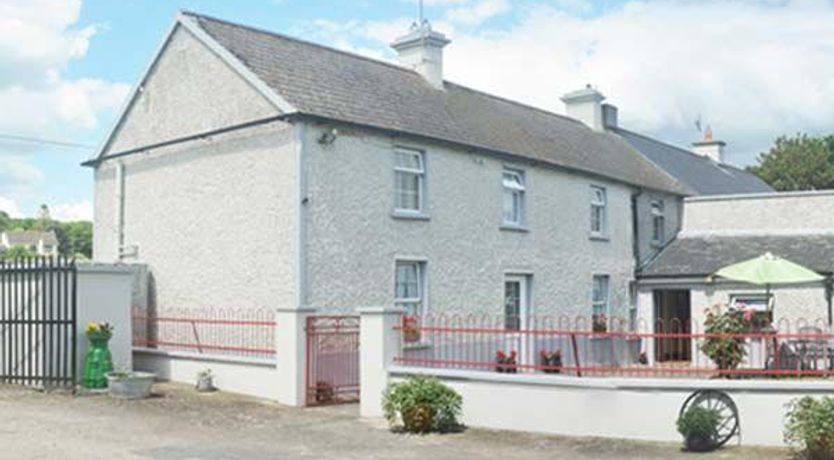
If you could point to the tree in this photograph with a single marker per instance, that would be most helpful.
(798, 163)
(17, 252)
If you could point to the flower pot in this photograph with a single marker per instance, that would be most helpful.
(131, 385)
(697, 443)
(205, 384)
(411, 335)
(97, 362)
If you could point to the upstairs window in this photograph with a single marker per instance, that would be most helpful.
(409, 180)
(599, 224)
(409, 286)
(513, 183)
(658, 223)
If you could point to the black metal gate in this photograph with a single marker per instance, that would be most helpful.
(38, 322)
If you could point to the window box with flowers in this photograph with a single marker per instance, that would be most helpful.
(506, 363)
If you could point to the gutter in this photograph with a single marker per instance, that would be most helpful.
(179, 140)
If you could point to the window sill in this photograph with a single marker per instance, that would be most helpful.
(514, 228)
(595, 237)
(408, 215)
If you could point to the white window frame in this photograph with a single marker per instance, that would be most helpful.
(420, 172)
(413, 305)
(658, 211)
(737, 300)
(606, 301)
(602, 205)
(513, 188)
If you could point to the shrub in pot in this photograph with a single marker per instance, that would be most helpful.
(423, 404)
(723, 345)
(507, 364)
(810, 425)
(551, 361)
(699, 427)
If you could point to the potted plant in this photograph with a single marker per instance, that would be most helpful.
(205, 381)
(423, 404)
(699, 427)
(724, 344)
(599, 323)
(98, 360)
(810, 424)
(123, 384)
(411, 332)
(324, 392)
(551, 361)
(643, 359)
(506, 363)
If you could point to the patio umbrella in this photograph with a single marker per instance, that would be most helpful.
(767, 270)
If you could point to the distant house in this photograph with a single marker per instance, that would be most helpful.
(41, 243)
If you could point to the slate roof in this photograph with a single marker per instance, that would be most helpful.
(332, 84)
(700, 174)
(31, 238)
(704, 255)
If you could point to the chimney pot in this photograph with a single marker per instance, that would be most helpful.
(710, 148)
(585, 105)
(422, 50)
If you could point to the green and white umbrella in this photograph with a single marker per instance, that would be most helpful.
(769, 270)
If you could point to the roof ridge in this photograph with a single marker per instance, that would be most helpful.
(514, 102)
(298, 40)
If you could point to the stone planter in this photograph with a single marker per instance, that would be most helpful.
(130, 385)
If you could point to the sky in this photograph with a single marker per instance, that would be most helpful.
(751, 69)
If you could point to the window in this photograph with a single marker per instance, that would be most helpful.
(516, 307)
(658, 223)
(513, 182)
(409, 178)
(756, 302)
(599, 226)
(409, 287)
(599, 303)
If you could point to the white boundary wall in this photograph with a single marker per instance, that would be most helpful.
(252, 377)
(640, 409)
(628, 408)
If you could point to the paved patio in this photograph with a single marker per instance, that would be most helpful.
(180, 424)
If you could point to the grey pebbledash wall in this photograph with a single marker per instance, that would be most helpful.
(214, 219)
(353, 240)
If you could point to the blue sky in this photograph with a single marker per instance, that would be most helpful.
(753, 69)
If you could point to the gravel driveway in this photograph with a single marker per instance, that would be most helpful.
(179, 424)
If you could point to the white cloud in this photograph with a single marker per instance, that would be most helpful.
(38, 40)
(474, 14)
(753, 70)
(9, 206)
(72, 211)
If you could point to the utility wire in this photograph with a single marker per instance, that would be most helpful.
(38, 140)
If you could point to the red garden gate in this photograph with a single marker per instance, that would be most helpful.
(332, 359)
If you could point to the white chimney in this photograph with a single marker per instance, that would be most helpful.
(422, 50)
(585, 105)
(710, 148)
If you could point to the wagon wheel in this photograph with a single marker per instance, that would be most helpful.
(729, 425)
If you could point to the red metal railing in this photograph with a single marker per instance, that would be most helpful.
(243, 332)
(332, 359)
(661, 349)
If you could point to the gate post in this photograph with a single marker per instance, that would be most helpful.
(379, 344)
(290, 343)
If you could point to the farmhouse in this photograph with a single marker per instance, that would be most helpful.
(254, 170)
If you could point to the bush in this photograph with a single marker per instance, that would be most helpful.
(424, 404)
(723, 348)
(810, 424)
(699, 426)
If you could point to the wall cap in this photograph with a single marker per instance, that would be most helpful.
(102, 267)
(636, 384)
(266, 362)
(295, 310)
(380, 311)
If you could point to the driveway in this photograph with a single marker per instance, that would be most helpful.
(180, 424)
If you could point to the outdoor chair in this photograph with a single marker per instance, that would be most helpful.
(812, 346)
